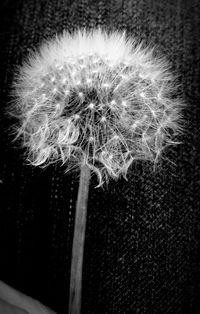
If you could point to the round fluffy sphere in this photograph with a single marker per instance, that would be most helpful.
(98, 98)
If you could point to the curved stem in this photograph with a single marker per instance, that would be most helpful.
(78, 242)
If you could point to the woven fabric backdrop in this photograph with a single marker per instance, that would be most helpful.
(142, 250)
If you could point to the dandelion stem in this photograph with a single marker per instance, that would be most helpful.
(78, 242)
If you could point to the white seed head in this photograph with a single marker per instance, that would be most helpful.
(113, 103)
(133, 96)
(64, 80)
(80, 94)
(66, 92)
(89, 81)
(103, 119)
(106, 85)
(52, 79)
(124, 104)
(91, 139)
(76, 117)
(91, 106)
(55, 90)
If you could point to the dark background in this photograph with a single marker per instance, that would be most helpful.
(142, 251)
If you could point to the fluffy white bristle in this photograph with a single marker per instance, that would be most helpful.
(98, 98)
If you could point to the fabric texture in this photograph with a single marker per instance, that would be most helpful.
(142, 250)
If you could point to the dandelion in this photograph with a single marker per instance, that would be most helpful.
(95, 100)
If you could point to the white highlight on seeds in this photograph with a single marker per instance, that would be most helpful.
(80, 94)
(76, 116)
(55, 90)
(64, 80)
(106, 85)
(91, 106)
(103, 119)
(89, 81)
(66, 92)
(124, 103)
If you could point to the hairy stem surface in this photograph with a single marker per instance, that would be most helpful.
(78, 242)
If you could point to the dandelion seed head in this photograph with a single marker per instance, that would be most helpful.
(96, 97)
